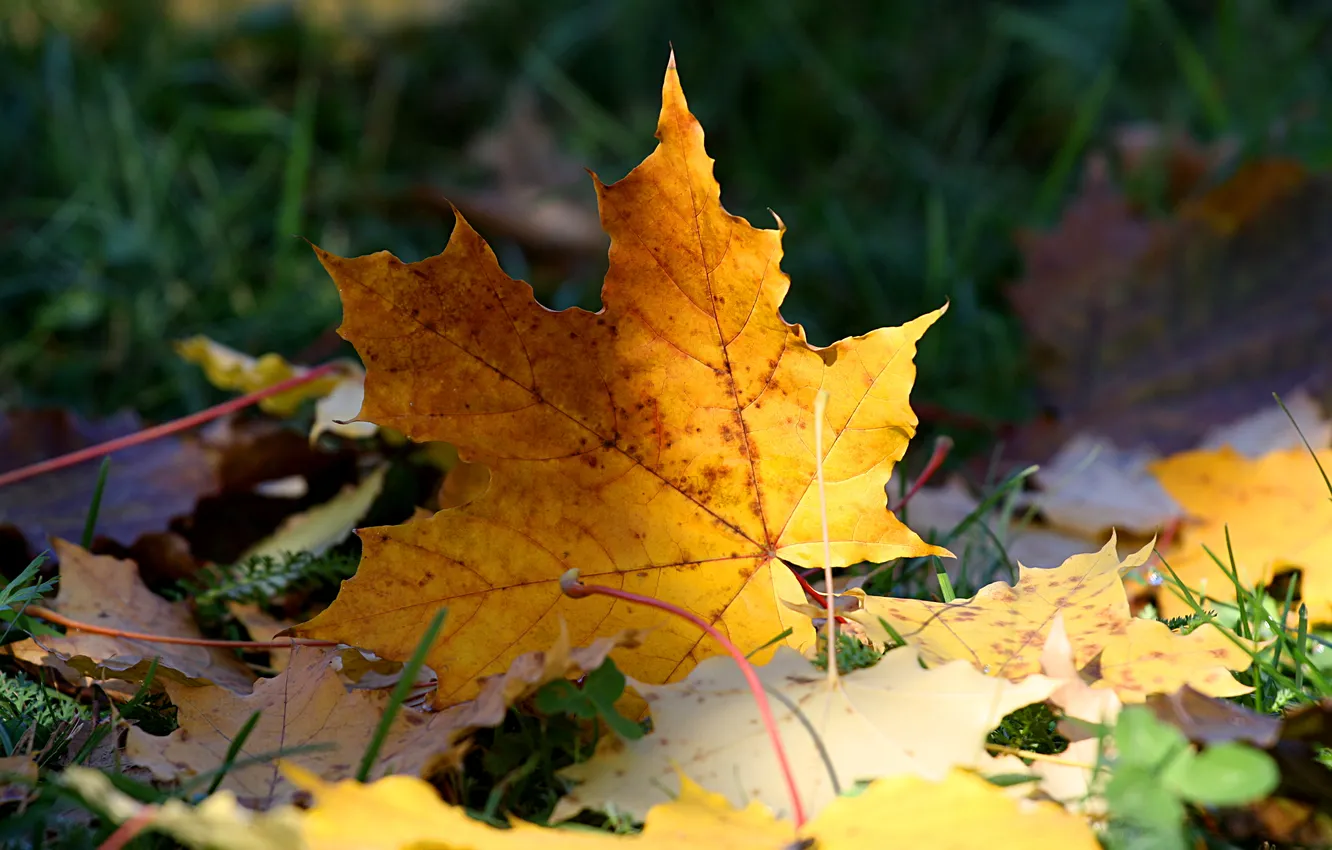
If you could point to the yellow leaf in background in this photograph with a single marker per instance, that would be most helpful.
(894, 717)
(1280, 518)
(323, 526)
(339, 393)
(662, 445)
(108, 592)
(1003, 628)
(962, 812)
(1147, 658)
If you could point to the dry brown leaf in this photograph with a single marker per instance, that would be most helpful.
(1151, 333)
(107, 592)
(147, 486)
(881, 721)
(310, 704)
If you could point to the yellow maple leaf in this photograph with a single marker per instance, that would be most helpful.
(1278, 513)
(108, 592)
(663, 445)
(310, 706)
(1003, 629)
(879, 721)
(960, 812)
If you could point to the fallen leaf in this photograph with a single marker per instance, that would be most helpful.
(262, 627)
(147, 486)
(1148, 658)
(324, 526)
(1211, 720)
(218, 822)
(307, 705)
(107, 592)
(336, 412)
(1277, 511)
(400, 812)
(1003, 629)
(1151, 332)
(18, 778)
(1077, 778)
(310, 705)
(1091, 486)
(1270, 429)
(337, 395)
(228, 369)
(881, 721)
(662, 445)
(960, 812)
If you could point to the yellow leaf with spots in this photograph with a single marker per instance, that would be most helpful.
(1147, 658)
(664, 445)
(1003, 628)
(1279, 515)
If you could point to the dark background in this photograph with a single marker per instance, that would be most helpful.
(162, 160)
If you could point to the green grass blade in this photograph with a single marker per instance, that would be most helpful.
(1313, 454)
(233, 751)
(90, 524)
(399, 695)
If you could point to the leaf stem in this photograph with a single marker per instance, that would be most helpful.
(942, 446)
(573, 588)
(61, 620)
(148, 434)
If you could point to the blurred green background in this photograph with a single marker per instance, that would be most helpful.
(163, 159)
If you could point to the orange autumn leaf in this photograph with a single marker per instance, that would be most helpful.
(1278, 513)
(663, 445)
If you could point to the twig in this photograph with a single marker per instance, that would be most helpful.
(148, 434)
(61, 620)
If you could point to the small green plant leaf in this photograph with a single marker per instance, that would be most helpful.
(1229, 774)
(596, 698)
(1145, 741)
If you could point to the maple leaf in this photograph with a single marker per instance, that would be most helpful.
(107, 591)
(1279, 519)
(960, 811)
(894, 717)
(663, 445)
(1003, 629)
(309, 705)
